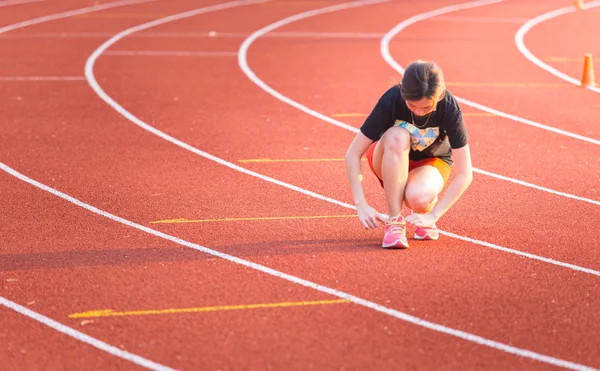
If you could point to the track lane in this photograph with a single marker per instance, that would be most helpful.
(485, 55)
(580, 27)
(338, 276)
(29, 345)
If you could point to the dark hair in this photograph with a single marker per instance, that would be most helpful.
(423, 80)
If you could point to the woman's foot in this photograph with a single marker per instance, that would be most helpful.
(427, 233)
(395, 234)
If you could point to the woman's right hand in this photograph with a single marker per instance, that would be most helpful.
(368, 216)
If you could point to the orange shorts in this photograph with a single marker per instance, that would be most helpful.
(440, 165)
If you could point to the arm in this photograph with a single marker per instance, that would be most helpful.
(366, 214)
(461, 154)
(464, 176)
(357, 149)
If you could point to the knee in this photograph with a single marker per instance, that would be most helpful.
(419, 201)
(396, 139)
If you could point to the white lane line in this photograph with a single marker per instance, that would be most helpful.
(308, 35)
(59, 35)
(110, 101)
(89, 73)
(169, 53)
(520, 36)
(17, 2)
(36, 316)
(385, 52)
(134, 358)
(539, 188)
(42, 78)
(69, 13)
(481, 19)
(243, 58)
(340, 294)
(243, 63)
(209, 34)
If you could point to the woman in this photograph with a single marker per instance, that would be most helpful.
(412, 138)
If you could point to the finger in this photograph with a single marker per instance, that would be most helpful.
(382, 217)
(373, 221)
(414, 221)
(369, 223)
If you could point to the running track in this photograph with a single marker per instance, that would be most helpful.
(101, 145)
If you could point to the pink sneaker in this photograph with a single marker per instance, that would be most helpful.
(427, 233)
(395, 234)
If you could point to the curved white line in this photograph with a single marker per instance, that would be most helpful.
(400, 315)
(385, 52)
(520, 35)
(42, 78)
(16, 2)
(89, 73)
(243, 57)
(288, 277)
(70, 13)
(39, 317)
(140, 361)
(243, 63)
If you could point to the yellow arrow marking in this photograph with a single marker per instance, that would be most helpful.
(182, 220)
(111, 313)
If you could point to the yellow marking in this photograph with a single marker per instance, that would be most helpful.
(111, 313)
(507, 84)
(181, 220)
(563, 59)
(349, 115)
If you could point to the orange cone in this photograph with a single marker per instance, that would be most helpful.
(587, 79)
(579, 4)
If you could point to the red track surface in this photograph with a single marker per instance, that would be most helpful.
(57, 258)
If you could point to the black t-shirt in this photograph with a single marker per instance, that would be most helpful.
(444, 130)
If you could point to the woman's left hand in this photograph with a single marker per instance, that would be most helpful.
(421, 220)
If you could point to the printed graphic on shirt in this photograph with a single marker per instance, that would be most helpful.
(420, 138)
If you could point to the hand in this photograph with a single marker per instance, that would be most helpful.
(421, 220)
(368, 216)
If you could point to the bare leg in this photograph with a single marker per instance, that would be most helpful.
(423, 185)
(390, 162)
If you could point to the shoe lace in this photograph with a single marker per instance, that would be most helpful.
(396, 226)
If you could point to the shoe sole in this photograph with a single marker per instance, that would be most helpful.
(397, 246)
(426, 237)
